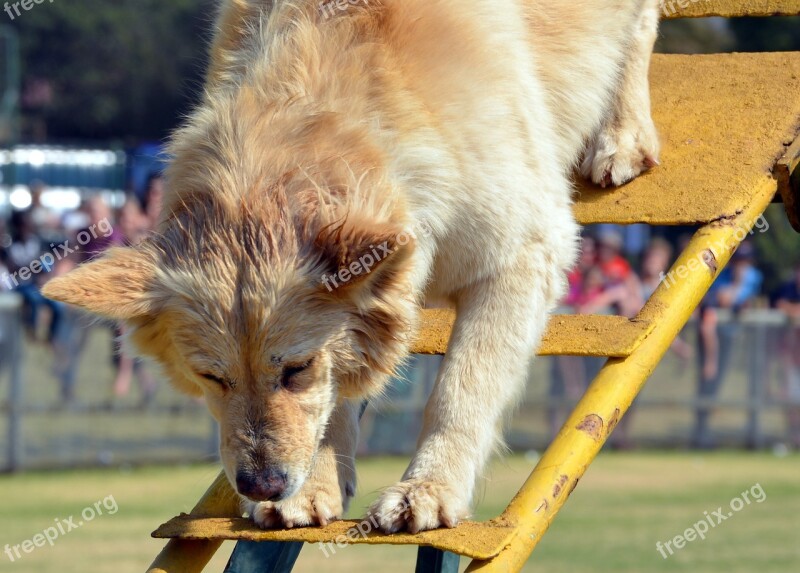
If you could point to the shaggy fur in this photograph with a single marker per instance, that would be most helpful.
(326, 141)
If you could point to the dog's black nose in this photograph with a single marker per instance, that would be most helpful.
(265, 485)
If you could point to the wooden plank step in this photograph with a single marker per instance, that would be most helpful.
(568, 334)
(471, 539)
(729, 8)
(725, 122)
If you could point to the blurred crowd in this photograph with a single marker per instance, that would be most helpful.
(38, 243)
(605, 281)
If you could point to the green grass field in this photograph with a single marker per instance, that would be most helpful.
(622, 507)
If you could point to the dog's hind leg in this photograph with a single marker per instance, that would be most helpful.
(327, 491)
(627, 142)
(500, 320)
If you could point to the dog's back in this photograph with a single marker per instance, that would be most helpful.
(462, 96)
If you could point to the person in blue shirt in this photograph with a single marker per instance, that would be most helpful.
(787, 300)
(737, 285)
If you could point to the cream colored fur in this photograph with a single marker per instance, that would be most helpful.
(322, 137)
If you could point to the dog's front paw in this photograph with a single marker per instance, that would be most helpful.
(323, 498)
(316, 503)
(618, 156)
(418, 505)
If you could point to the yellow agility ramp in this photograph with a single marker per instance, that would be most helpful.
(729, 125)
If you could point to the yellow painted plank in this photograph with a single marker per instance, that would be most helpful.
(725, 121)
(190, 555)
(471, 539)
(729, 8)
(577, 335)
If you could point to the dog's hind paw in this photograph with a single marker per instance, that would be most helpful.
(417, 505)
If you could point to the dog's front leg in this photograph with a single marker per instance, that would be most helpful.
(331, 484)
(499, 321)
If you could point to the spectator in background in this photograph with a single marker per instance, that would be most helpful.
(25, 249)
(70, 337)
(74, 332)
(568, 376)
(614, 286)
(45, 220)
(788, 301)
(615, 267)
(737, 285)
(153, 198)
(602, 282)
(656, 261)
(134, 226)
(586, 260)
(105, 235)
(132, 223)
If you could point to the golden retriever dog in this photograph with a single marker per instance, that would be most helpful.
(350, 161)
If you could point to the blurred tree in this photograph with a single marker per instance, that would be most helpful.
(94, 69)
(128, 68)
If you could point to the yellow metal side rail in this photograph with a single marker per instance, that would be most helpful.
(618, 383)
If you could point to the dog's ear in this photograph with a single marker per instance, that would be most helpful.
(361, 258)
(233, 27)
(117, 285)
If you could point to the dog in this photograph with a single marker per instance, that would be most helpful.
(347, 165)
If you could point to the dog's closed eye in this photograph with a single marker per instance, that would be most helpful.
(291, 371)
(217, 380)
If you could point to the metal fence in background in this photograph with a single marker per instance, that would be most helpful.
(39, 430)
(749, 410)
(11, 368)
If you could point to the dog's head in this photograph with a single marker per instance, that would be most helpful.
(269, 310)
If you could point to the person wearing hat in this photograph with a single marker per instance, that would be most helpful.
(737, 285)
